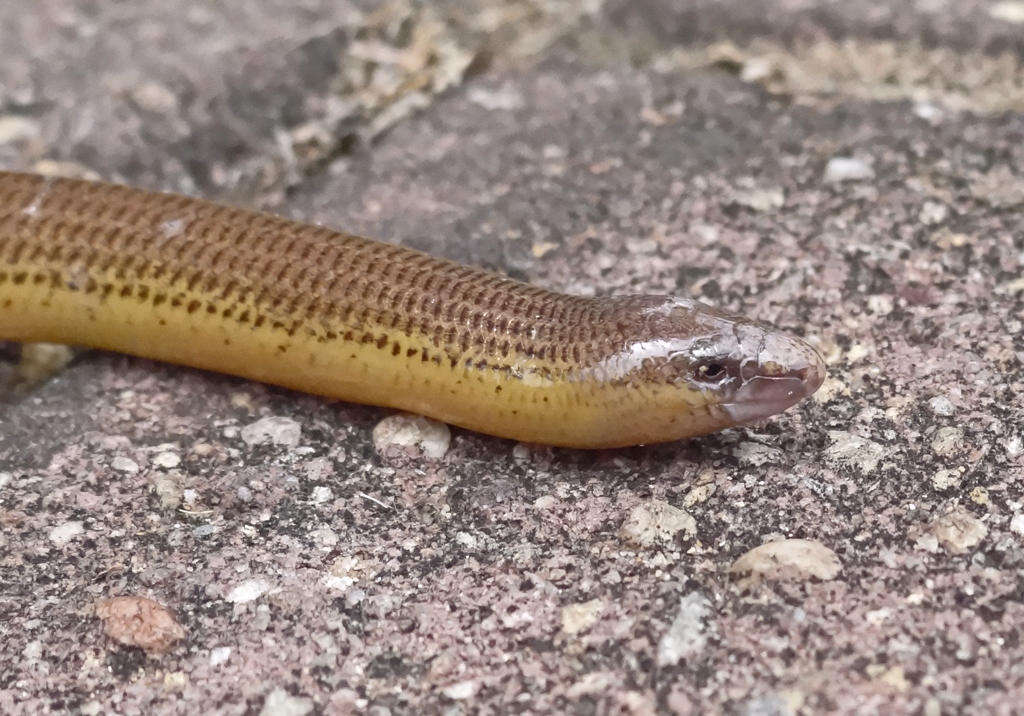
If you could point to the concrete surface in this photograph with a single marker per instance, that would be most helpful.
(852, 172)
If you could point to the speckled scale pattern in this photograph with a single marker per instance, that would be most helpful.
(187, 281)
(295, 275)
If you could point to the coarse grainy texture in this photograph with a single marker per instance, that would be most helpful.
(316, 569)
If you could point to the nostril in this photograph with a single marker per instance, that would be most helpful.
(812, 375)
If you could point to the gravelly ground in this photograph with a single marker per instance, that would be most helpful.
(731, 151)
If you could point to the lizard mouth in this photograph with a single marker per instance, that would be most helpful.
(763, 396)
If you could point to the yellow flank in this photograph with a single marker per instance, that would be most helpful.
(570, 414)
(186, 281)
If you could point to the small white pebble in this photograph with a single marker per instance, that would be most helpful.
(167, 460)
(932, 213)
(928, 112)
(1017, 524)
(110, 443)
(202, 449)
(5, 478)
(554, 151)
(656, 522)
(581, 615)
(280, 703)
(505, 98)
(687, 636)
(274, 429)
(460, 691)
(321, 494)
(17, 129)
(760, 199)
(756, 454)
(65, 532)
(841, 169)
(1011, 11)
(324, 536)
(125, 464)
(858, 351)
(466, 540)
(941, 405)
(958, 531)
(219, 655)
(1014, 446)
(880, 304)
(878, 616)
(433, 438)
(948, 441)
(247, 591)
(336, 583)
(545, 502)
(854, 450)
(154, 97)
(757, 69)
(946, 478)
(927, 542)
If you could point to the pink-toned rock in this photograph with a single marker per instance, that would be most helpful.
(141, 622)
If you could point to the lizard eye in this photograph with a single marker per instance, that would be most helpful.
(711, 372)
